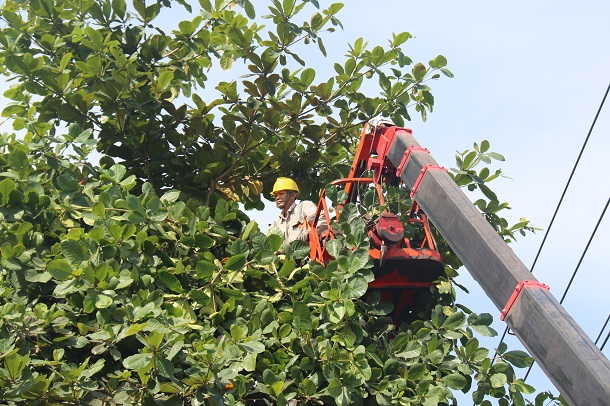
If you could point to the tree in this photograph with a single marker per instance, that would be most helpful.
(140, 281)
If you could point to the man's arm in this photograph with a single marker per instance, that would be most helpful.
(309, 209)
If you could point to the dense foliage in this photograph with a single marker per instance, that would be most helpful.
(139, 280)
(110, 297)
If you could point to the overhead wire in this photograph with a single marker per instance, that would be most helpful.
(602, 330)
(570, 178)
(605, 341)
(506, 330)
(584, 252)
(565, 292)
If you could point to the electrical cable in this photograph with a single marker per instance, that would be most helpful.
(585, 251)
(605, 341)
(562, 197)
(570, 178)
(565, 292)
(602, 330)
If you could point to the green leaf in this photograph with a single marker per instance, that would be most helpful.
(226, 61)
(165, 79)
(239, 246)
(498, 380)
(419, 71)
(301, 311)
(15, 364)
(136, 217)
(260, 242)
(455, 381)
(205, 270)
(67, 183)
(249, 9)
(119, 7)
(307, 77)
(6, 187)
(127, 231)
(74, 251)
(496, 156)
(524, 388)
(99, 209)
(454, 321)
(485, 331)
(520, 359)
(137, 361)
(103, 301)
(287, 268)
(417, 371)
(166, 367)
(60, 269)
(253, 347)
(336, 311)
(357, 287)
(299, 249)
(488, 193)
(235, 263)
(117, 172)
(66, 287)
(18, 161)
(339, 392)
(65, 60)
(31, 275)
(275, 242)
(438, 62)
(334, 248)
(171, 196)
(134, 203)
(171, 281)
(446, 72)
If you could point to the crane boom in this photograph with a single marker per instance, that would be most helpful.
(570, 359)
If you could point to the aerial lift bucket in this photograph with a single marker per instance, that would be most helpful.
(404, 269)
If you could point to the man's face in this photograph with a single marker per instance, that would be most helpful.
(283, 198)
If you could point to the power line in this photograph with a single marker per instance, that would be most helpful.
(561, 200)
(602, 330)
(585, 251)
(570, 178)
(565, 292)
(605, 341)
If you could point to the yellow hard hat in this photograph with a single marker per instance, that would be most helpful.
(285, 184)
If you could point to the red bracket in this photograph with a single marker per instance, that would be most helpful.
(421, 176)
(403, 162)
(513, 298)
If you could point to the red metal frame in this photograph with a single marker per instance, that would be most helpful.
(513, 298)
(402, 271)
(406, 156)
(422, 173)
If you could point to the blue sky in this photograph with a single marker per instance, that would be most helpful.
(529, 77)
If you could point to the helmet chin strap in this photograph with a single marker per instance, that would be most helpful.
(291, 196)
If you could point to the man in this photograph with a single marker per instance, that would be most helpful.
(291, 221)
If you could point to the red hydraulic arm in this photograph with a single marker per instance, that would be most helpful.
(404, 268)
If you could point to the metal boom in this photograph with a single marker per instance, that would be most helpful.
(570, 359)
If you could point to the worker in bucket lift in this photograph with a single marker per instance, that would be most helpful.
(294, 217)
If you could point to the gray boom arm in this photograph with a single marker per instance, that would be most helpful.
(570, 359)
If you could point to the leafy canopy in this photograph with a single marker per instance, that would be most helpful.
(109, 68)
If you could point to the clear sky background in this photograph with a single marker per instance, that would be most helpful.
(529, 77)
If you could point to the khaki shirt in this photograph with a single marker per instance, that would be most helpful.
(293, 225)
